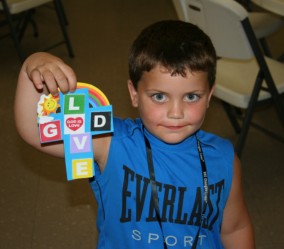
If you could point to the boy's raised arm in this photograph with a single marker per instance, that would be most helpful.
(41, 73)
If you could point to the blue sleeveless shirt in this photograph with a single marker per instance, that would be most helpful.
(126, 215)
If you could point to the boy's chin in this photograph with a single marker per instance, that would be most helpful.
(173, 138)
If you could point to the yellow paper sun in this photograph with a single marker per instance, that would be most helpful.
(49, 105)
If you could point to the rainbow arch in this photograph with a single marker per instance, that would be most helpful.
(96, 96)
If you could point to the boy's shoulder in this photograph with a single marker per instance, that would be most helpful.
(208, 138)
(126, 127)
(216, 144)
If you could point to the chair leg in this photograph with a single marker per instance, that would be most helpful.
(13, 30)
(33, 23)
(62, 21)
(60, 5)
(248, 115)
(243, 133)
(23, 26)
(265, 47)
(232, 117)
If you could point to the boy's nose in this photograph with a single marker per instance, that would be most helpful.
(175, 110)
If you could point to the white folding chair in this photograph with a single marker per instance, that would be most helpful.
(264, 24)
(244, 76)
(13, 8)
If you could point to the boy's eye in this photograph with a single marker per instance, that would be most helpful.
(192, 97)
(159, 97)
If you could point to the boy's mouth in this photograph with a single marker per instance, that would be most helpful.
(174, 127)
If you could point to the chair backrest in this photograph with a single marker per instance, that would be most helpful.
(246, 4)
(181, 9)
(222, 21)
(17, 6)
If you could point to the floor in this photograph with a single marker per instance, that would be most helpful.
(39, 209)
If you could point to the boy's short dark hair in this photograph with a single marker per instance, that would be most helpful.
(175, 45)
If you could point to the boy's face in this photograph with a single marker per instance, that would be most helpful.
(171, 107)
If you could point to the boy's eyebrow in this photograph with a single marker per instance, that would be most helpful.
(200, 91)
(196, 92)
(154, 90)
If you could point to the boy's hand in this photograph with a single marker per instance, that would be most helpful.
(41, 73)
(44, 69)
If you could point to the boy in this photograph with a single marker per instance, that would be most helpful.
(160, 181)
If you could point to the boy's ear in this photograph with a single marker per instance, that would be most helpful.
(210, 94)
(133, 94)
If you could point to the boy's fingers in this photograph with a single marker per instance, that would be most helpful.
(71, 77)
(52, 72)
(36, 78)
(50, 82)
(61, 80)
(53, 79)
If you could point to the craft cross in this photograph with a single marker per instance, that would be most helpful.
(74, 118)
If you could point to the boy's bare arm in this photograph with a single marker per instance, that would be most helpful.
(237, 230)
(41, 73)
